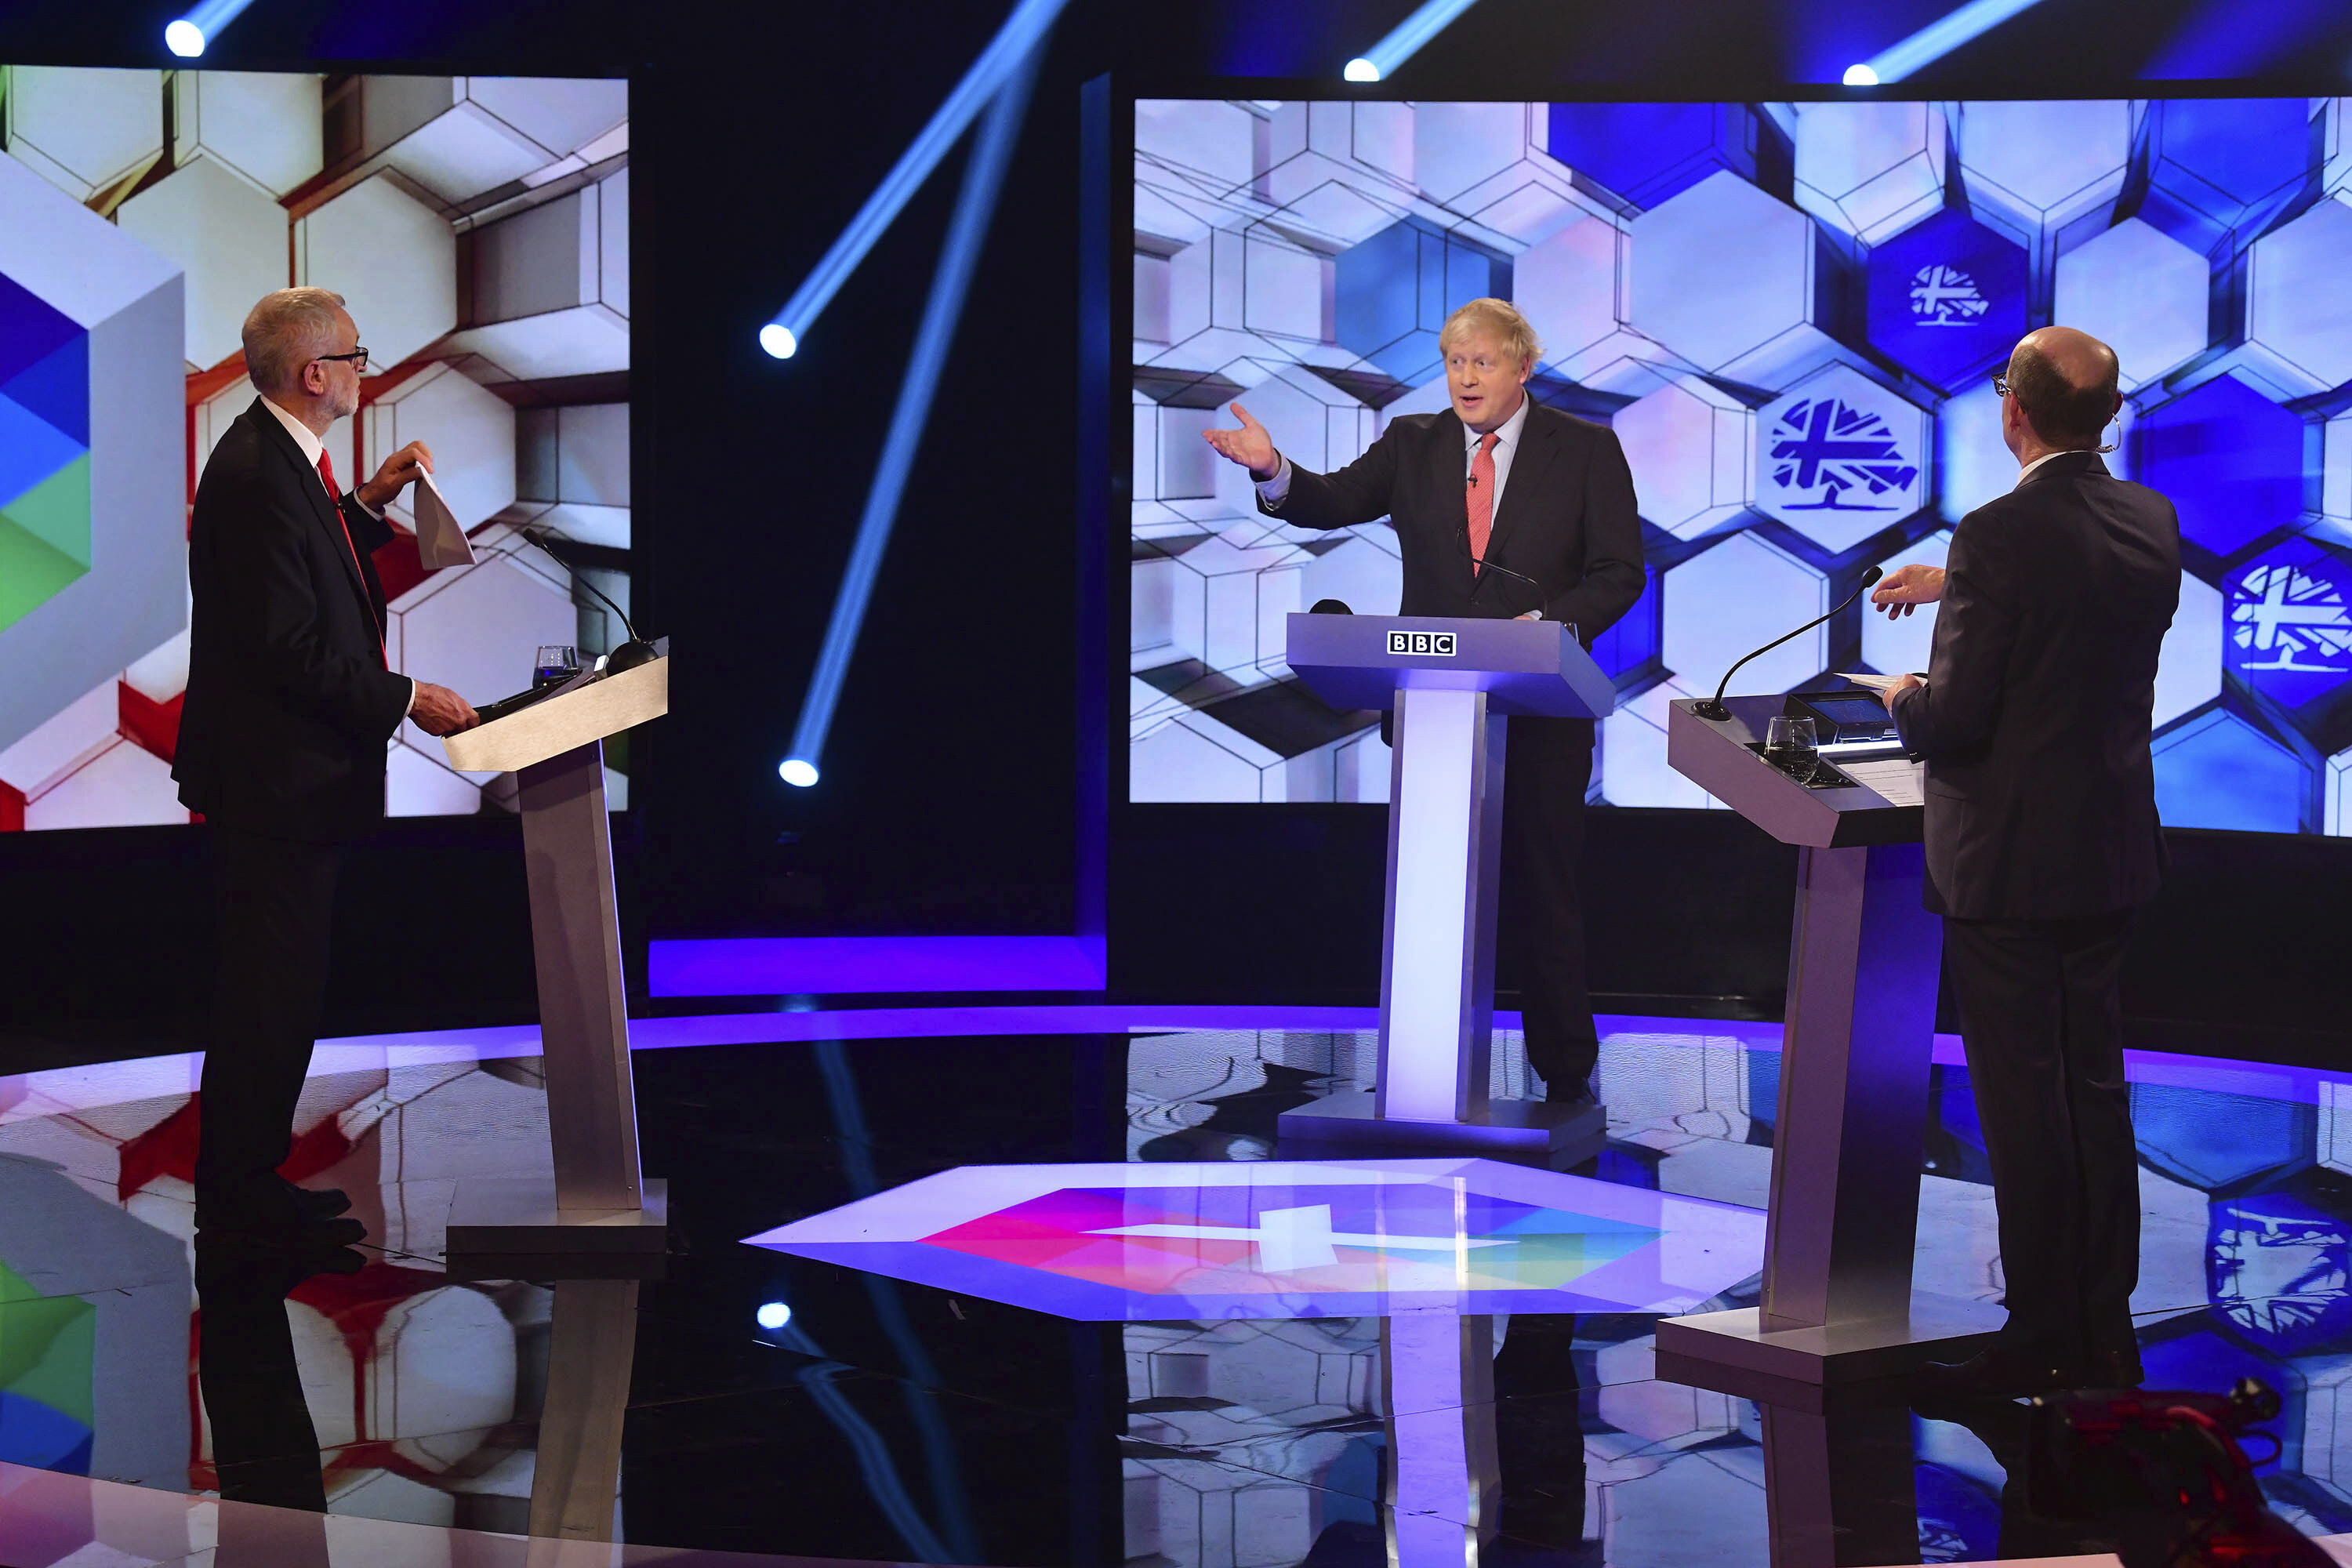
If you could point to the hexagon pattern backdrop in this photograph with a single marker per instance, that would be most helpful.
(478, 228)
(1789, 314)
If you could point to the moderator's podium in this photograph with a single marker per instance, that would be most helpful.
(1849, 1136)
(598, 1215)
(1454, 685)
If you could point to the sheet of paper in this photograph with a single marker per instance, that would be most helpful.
(1896, 778)
(439, 541)
(1878, 683)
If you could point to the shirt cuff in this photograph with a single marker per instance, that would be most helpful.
(411, 694)
(372, 512)
(1274, 491)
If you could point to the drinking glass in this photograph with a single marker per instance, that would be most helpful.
(1788, 738)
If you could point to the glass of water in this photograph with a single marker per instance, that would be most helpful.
(555, 664)
(1789, 740)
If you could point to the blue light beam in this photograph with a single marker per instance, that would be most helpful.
(1934, 41)
(983, 176)
(187, 36)
(1404, 41)
(1015, 43)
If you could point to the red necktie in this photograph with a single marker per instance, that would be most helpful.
(1480, 499)
(335, 499)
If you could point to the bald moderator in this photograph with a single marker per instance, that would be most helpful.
(2062, 392)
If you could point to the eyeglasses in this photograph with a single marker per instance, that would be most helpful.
(2000, 386)
(359, 358)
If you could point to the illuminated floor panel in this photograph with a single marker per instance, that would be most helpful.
(1286, 1240)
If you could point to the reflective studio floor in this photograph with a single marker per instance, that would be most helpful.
(893, 1330)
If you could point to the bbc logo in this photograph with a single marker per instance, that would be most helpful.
(1438, 644)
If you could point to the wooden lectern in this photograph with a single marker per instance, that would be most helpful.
(597, 1215)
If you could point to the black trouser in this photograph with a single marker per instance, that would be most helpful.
(275, 904)
(1548, 765)
(2040, 1007)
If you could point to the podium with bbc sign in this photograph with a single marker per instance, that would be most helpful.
(1454, 685)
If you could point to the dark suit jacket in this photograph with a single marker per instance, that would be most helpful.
(1568, 518)
(2035, 720)
(289, 705)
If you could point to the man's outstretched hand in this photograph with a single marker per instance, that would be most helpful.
(441, 711)
(1249, 446)
(394, 476)
(1906, 588)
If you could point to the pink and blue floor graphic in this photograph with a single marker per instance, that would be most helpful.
(1290, 1239)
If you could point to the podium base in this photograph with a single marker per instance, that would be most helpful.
(1799, 1368)
(1524, 1132)
(511, 1228)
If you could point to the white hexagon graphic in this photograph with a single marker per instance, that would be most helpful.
(1214, 140)
(473, 628)
(471, 434)
(1468, 155)
(133, 595)
(123, 786)
(2295, 320)
(267, 125)
(2336, 805)
(229, 237)
(1314, 423)
(551, 286)
(2140, 291)
(395, 261)
(1723, 276)
(2188, 667)
(89, 132)
(2034, 167)
(1734, 597)
(1973, 463)
(1633, 769)
(1840, 457)
(1892, 648)
(1692, 449)
(2336, 475)
(1572, 287)
(1871, 170)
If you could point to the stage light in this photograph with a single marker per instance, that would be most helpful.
(1014, 43)
(1380, 62)
(795, 771)
(187, 36)
(1934, 41)
(778, 341)
(983, 175)
(772, 1315)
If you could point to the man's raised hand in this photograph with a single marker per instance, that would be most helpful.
(1249, 446)
(1906, 588)
(394, 476)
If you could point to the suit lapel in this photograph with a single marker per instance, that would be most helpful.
(1537, 440)
(315, 490)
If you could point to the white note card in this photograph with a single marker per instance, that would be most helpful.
(1898, 779)
(439, 541)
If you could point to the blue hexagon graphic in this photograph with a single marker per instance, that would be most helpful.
(2215, 1142)
(2229, 457)
(1644, 152)
(2222, 168)
(1947, 299)
(1394, 291)
(1630, 645)
(2288, 620)
(2218, 771)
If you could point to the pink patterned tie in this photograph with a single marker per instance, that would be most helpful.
(1480, 499)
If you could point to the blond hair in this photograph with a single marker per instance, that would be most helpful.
(1500, 318)
(285, 332)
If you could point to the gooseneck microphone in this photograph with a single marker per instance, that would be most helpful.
(1713, 708)
(630, 654)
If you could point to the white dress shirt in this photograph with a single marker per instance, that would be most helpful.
(313, 448)
(1506, 442)
(2046, 458)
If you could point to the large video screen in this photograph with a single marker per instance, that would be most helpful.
(478, 227)
(1789, 314)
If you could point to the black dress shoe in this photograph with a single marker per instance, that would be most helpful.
(1567, 1091)
(2003, 1371)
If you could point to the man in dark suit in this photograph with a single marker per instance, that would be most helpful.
(1501, 508)
(2042, 841)
(289, 708)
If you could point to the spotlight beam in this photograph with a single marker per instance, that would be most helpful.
(1935, 40)
(1014, 43)
(188, 35)
(983, 176)
(1405, 39)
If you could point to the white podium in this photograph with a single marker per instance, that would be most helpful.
(597, 1217)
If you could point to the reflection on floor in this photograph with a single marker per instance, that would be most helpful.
(1171, 1352)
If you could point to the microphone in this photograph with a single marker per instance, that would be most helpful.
(630, 654)
(1714, 709)
(1330, 607)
